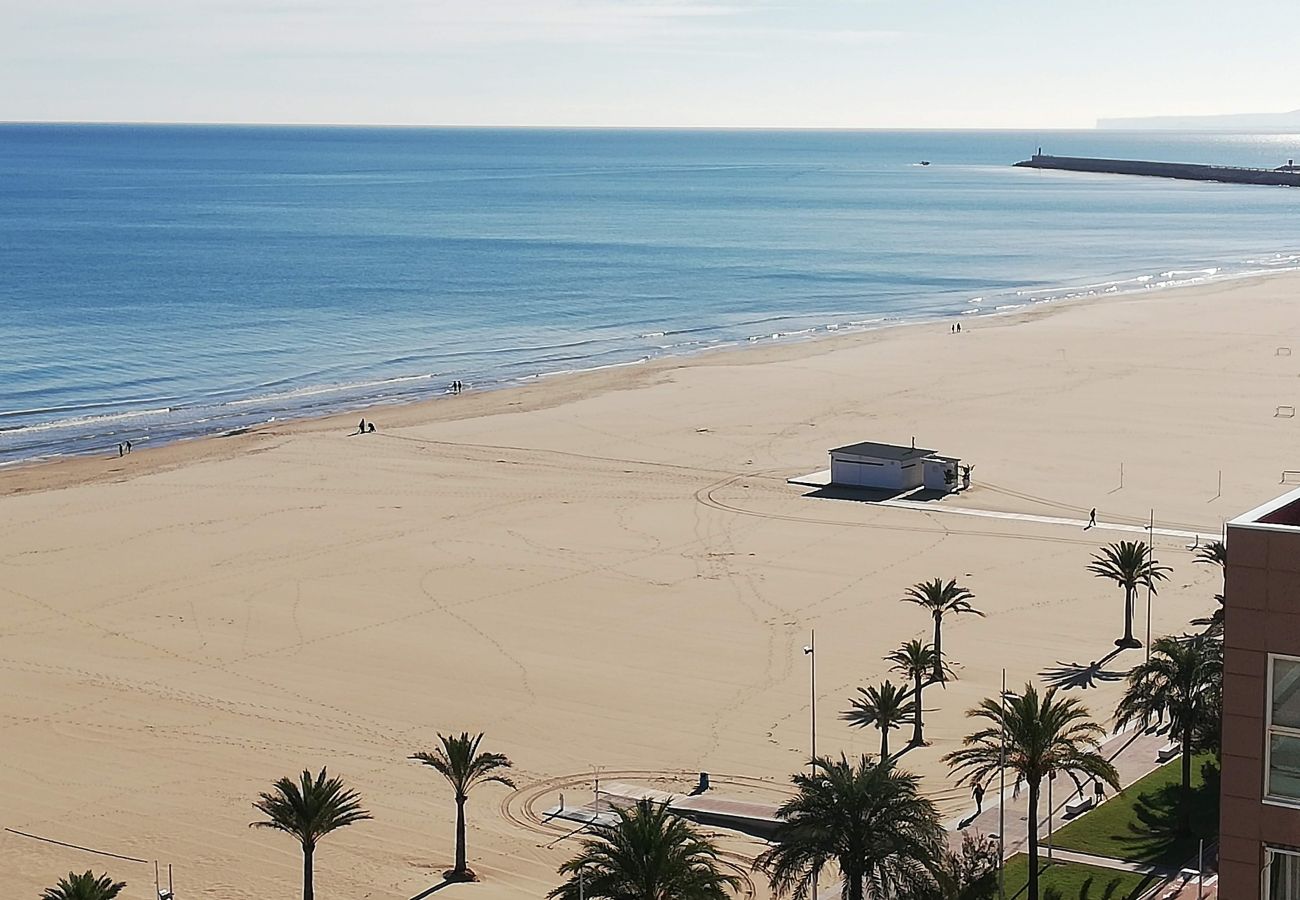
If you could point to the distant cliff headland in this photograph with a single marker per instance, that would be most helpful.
(1243, 122)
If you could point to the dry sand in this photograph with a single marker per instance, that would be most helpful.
(601, 570)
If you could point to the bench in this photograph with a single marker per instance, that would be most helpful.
(1078, 805)
(1168, 752)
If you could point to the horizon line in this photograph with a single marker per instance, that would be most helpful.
(534, 126)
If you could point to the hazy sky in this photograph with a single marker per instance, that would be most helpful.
(835, 63)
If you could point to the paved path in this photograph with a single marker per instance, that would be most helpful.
(1185, 887)
(1133, 755)
(822, 480)
(1107, 862)
(1044, 520)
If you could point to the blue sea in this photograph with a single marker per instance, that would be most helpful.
(165, 282)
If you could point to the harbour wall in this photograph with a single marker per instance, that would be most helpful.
(1285, 175)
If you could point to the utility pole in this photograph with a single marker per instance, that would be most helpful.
(1151, 549)
(1002, 794)
(811, 652)
(1051, 776)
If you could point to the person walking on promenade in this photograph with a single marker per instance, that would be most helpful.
(978, 793)
(1092, 519)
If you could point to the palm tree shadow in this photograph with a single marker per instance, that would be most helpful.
(1077, 676)
(1154, 833)
(433, 890)
(1109, 890)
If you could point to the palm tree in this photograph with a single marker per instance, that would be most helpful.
(940, 599)
(970, 873)
(868, 818)
(1042, 735)
(1213, 622)
(648, 854)
(309, 810)
(1130, 565)
(459, 761)
(885, 707)
(86, 886)
(1214, 553)
(915, 660)
(1183, 683)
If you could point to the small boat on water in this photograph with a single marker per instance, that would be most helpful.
(925, 162)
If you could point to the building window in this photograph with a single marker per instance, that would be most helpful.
(1283, 875)
(1284, 731)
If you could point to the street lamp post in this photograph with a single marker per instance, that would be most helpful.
(811, 652)
(1002, 795)
(1151, 549)
(1051, 776)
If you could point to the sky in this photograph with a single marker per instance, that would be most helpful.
(655, 63)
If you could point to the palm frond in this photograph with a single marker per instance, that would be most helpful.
(458, 760)
(940, 597)
(649, 852)
(84, 886)
(310, 808)
(868, 819)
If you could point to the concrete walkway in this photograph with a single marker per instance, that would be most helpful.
(1107, 862)
(822, 479)
(1045, 520)
(1132, 753)
(1186, 887)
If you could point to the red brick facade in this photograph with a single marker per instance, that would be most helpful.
(1262, 616)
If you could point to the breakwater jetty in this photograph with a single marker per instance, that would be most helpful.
(1284, 175)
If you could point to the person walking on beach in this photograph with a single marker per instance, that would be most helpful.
(121, 448)
(1092, 519)
(128, 446)
(978, 793)
(361, 428)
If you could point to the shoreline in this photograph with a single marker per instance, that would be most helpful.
(1057, 298)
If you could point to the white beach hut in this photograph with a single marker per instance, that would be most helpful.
(885, 466)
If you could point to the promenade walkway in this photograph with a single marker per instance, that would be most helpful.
(1133, 753)
(1045, 520)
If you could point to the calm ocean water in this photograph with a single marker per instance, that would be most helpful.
(163, 282)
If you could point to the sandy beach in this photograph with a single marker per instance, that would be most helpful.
(603, 570)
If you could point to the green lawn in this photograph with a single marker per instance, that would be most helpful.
(1139, 823)
(1069, 881)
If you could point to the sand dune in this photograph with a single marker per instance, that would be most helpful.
(606, 570)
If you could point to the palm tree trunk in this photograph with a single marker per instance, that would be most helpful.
(308, 887)
(938, 648)
(1185, 798)
(1033, 839)
(917, 738)
(884, 741)
(461, 865)
(854, 882)
(1128, 618)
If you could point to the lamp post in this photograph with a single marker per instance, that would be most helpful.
(1151, 549)
(1002, 794)
(811, 652)
(1051, 776)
